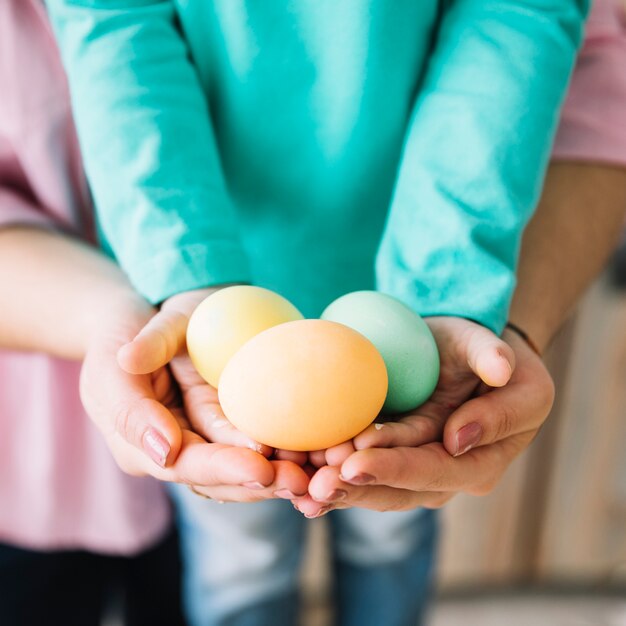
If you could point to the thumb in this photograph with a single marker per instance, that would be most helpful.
(490, 358)
(156, 344)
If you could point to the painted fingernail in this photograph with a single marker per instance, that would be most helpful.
(286, 494)
(359, 479)
(468, 437)
(335, 495)
(156, 446)
(322, 511)
(253, 484)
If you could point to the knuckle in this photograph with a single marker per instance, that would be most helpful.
(126, 424)
(505, 423)
(436, 483)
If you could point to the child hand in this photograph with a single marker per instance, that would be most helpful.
(462, 439)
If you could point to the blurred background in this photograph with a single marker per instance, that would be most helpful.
(548, 546)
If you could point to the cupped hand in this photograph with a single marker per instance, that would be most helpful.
(162, 341)
(491, 400)
(144, 418)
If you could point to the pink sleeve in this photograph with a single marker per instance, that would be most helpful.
(41, 176)
(593, 122)
(17, 205)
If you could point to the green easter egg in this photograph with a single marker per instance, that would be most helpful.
(402, 338)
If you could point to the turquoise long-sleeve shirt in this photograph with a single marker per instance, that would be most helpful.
(317, 147)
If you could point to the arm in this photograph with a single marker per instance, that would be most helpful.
(567, 243)
(584, 201)
(476, 150)
(148, 145)
(58, 293)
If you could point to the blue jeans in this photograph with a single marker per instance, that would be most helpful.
(241, 561)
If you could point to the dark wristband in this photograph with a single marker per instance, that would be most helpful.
(531, 344)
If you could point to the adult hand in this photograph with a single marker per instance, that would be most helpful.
(142, 415)
(491, 400)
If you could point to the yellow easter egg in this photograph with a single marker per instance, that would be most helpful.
(304, 385)
(227, 319)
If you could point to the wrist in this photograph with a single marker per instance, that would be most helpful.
(538, 333)
(530, 342)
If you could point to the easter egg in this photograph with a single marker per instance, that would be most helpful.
(402, 338)
(305, 385)
(227, 319)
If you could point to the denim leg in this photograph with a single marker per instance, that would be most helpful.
(384, 565)
(240, 561)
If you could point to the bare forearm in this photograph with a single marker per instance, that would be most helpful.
(577, 225)
(56, 292)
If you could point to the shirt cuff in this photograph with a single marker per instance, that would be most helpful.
(193, 266)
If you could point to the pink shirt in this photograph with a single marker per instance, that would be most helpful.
(593, 122)
(59, 487)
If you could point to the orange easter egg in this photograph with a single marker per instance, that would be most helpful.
(304, 385)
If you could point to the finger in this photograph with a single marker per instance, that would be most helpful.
(147, 425)
(290, 483)
(412, 430)
(299, 458)
(156, 344)
(338, 454)
(521, 406)
(490, 358)
(327, 488)
(207, 418)
(312, 509)
(211, 464)
(317, 458)
(431, 468)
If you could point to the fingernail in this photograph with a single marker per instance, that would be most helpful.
(254, 484)
(322, 511)
(156, 446)
(359, 479)
(468, 437)
(379, 426)
(286, 494)
(295, 506)
(335, 495)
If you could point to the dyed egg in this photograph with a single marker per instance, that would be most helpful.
(402, 338)
(227, 319)
(304, 385)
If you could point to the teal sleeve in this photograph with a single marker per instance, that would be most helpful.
(148, 145)
(476, 153)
